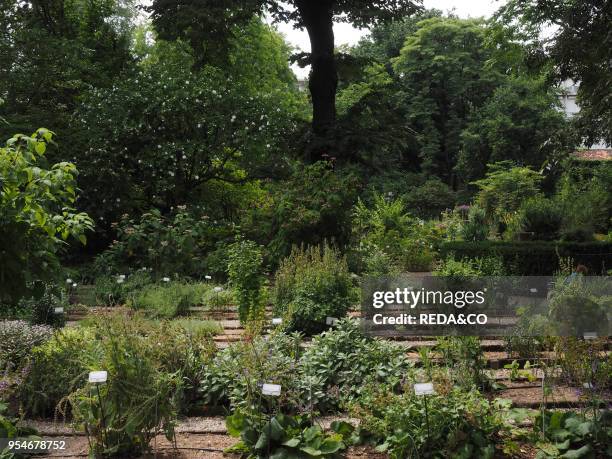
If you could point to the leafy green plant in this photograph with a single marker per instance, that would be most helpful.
(456, 423)
(11, 429)
(168, 300)
(245, 275)
(516, 373)
(312, 284)
(165, 245)
(235, 373)
(542, 218)
(571, 435)
(42, 308)
(476, 227)
(138, 401)
(340, 362)
(282, 437)
(464, 355)
(36, 213)
(57, 368)
(505, 188)
(17, 338)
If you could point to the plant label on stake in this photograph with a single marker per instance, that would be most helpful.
(271, 389)
(98, 376)
(424, 389)
(58, 310)
(277, 321)
(590, 335)
(331, 321)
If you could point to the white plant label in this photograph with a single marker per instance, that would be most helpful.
(98, 376)
(424, 389)
(271, 389)
(533, 290)
(277, 321)
(58, 311)
(590, 335)
(587, 385)
(331, 321)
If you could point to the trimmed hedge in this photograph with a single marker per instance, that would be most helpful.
(535, 258)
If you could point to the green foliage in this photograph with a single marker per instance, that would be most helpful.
(455, 424)
(138, 401)
(532, 258)
(311, 207)
(57, 368)
(17, 338)
(312, 284)
(342, 362)
(542, 218)
(520, 122)
(42, 309)
(167, 300)
(10, 429)
(36, 212)
(234, 376)
(244, 268)
(38, 88)
(164, 244)
(387, 228)
(430, 199)
(465, 357)
(571, 435)
(282, 437)
(577, 52)
(180, 133)
(505, 188)
(443, 75)
(583, 194)
(476, 227)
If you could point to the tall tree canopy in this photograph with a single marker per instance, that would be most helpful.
(53, 50)
(206, 23)
(580, 47)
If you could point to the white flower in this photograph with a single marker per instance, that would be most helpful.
(121, 276)
(166, 279)
(120, 280)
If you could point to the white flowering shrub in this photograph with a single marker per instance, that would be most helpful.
(165, 130)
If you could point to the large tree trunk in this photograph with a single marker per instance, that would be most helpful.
(318, 20)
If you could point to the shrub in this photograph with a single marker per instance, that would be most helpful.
(17, 338)
(57, 368)
(37, 213)
(542, 218)
(42, 308)
(430, 199)
(245, 275)
(218, 299)
(341, 362)
(138, 401)
(505, 188)
(476, 227)
(168, 245)
(167, 301)
(234, 376)
(312, 284)
(282, 436)
(455, 424)
(534, 258)
(109, 290)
